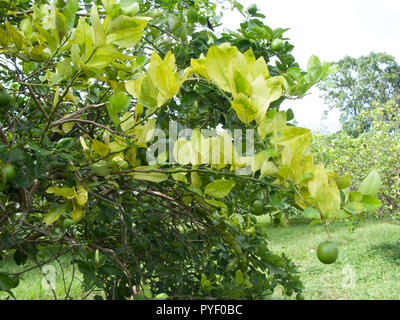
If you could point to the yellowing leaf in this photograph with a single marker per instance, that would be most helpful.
(180, 176)
(68, 193)
(149, 176)
(268, 168)
(126, 31)
(102, 149)
(54, 213)
(296, 139)
(218, 65)
(81, 196)
(245, 108)
(219, 188)
(99, 34)
(182, 151)
(328, 199)
(216, 203)
(77, 211)
(131, 156)
(319, 179)
(67, 126)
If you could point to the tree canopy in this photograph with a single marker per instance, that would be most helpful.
(358, 85)
(96, 97)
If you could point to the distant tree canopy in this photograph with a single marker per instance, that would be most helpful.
(359, 83)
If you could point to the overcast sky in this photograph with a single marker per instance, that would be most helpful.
(330, 30)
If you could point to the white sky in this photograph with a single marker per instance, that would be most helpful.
(330, 30)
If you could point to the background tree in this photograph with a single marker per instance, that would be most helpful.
(378, 148)
(86, 84)
(359, 83)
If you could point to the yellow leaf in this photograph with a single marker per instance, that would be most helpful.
(68, 193)
(102, 149)
(81, 196)
(67, 126)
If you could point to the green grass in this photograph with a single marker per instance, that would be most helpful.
(31, 288)
(368, 266)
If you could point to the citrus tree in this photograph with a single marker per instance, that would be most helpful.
(96, 164)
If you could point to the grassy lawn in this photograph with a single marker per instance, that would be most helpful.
(368, 266)
(31, 288)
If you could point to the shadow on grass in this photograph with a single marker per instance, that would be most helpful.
(389, 251)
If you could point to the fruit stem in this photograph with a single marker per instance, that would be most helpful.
(327, 231)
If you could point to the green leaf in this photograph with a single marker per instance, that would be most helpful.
(314, 69)
(239, 277)
(15, 35)
(343, 182)
(147, 292)
(370, 202)
(54, 213)
(70, 10)
(216, 203)
(371, 184)
(219, 188)
(100, 168)
(180, 176)
(7, 283)
(354, 207)
(311, 213)
(161, 296)
(99, 34)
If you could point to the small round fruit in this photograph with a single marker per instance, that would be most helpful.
(9, 172)
(58, 232)
(5, 98)
(327, 252)
(252, 9)
(130, 10)
(289, 292)
(257, 207)
(299, 296)
(277, 45)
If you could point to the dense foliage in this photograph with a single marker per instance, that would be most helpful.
(95, 92)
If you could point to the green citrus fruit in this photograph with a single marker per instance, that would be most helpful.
(5, 98)
(327, 252)
(299, 296)
(58, 232)
(277, 45)
(130, 10)
(9, 173)
(252, 9)
(289, 292)
(257, 207)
